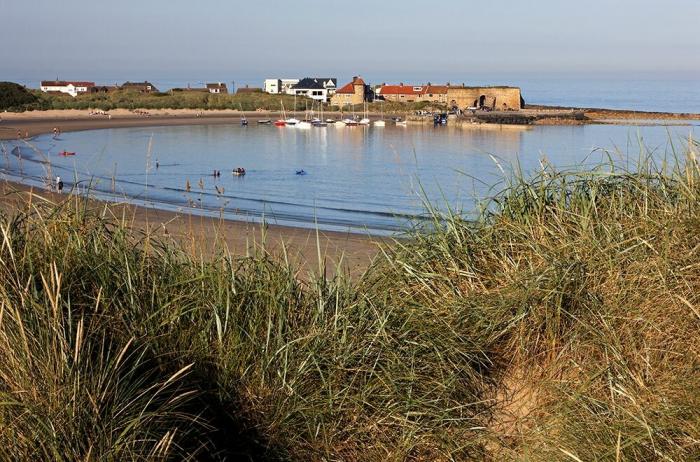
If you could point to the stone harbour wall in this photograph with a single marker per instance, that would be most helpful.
(496, 98)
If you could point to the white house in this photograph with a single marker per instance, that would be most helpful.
(71, 88)
(277, 86)
(217, 88)
(320, 89)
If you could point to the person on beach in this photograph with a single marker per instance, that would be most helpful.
(59, 184)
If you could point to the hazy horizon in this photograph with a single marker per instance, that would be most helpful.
(392, 41)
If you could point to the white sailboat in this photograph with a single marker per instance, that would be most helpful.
(381, 122)
(319, 121)
(365, 120)
(291, 122)
(351, 122)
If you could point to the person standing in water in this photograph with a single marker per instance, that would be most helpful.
(59, 184)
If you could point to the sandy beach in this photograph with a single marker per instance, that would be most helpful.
(34, 123)
(348, 252)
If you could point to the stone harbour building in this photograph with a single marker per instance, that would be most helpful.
(493, 98)
(355, 92)
(497, 98)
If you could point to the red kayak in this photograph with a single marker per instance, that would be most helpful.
(66, 153)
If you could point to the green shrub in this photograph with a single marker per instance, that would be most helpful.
(14, 97)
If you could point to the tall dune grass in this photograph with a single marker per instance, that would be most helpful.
(563, 324)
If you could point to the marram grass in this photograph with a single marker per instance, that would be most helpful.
(563, 324)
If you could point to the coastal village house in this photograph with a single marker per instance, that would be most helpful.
(319, 89)
(103, 89)
(355, 92)
(413, 93)
(72, 88)
(279, 86)
(218, 88)
(142, 87)
(248, 89)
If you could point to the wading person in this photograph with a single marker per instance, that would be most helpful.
(59, 184)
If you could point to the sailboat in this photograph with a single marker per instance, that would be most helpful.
(381, 122)
(292, 121)
(365, 119)
(244, 119)
(281, 122)
(318, 122)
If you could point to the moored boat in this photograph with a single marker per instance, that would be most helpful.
(65, 153)
(264, 121)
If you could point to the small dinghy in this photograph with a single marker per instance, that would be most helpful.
(301, 172)
(66, 153)
(240, 171)
(264, 121)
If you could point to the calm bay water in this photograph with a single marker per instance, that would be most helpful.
(373, 179)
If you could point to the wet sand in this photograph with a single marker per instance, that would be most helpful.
(34, 123)
(41, 122)
(347, 252)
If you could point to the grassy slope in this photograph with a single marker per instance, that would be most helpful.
(563, 325)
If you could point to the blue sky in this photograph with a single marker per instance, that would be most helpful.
(447, 40)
